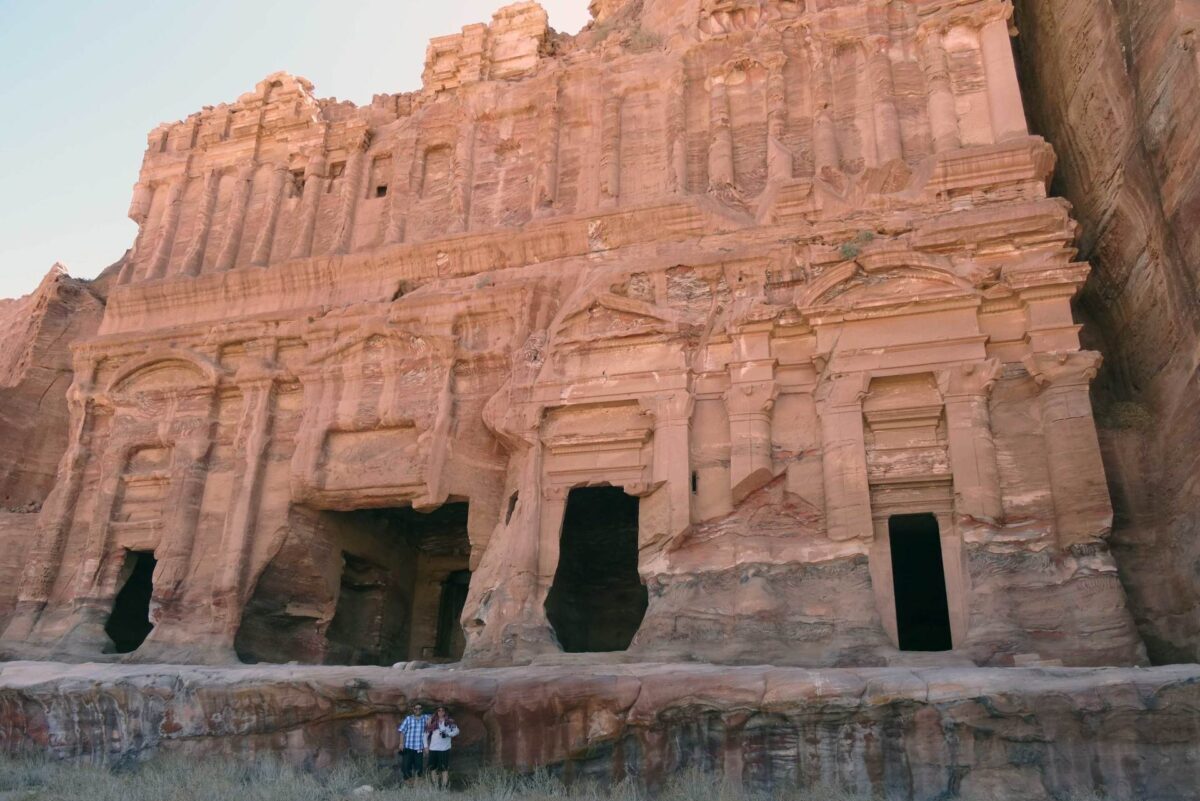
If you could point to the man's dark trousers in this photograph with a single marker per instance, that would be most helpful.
(412, 763)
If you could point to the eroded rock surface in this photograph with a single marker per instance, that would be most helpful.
(35, 372)
(785, 280)
(1112, 85)
(1031, 734)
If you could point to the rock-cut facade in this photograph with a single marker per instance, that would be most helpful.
(725, 330)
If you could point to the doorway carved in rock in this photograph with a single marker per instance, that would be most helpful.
(919, 583)
(129, 623)
(597, 600)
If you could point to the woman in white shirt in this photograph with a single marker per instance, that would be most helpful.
(438, 734)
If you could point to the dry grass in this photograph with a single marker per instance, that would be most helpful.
(176, 779)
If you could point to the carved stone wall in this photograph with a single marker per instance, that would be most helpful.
(782, 271)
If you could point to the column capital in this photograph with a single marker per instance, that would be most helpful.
(669, 407)
(844, 391)
(316, 167)
(555, 492)
(751, 397)
(970, 378)
(1063, 368)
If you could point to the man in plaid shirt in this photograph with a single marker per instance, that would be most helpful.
(412, 745)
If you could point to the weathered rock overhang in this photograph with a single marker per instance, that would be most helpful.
(919, 733)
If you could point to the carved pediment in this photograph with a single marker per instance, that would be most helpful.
(608, 316)
(165, 370)
(902, 277)
(379, 340)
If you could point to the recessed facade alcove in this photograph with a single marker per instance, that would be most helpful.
(401, 582)
(597, 601)
(130, 624)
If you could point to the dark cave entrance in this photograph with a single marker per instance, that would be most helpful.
(355, 635)
(919, 583)
(403, 588)
(450, 641)
(597, 601)
(395, 593)
(129, 623)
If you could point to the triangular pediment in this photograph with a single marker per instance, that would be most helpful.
(382, 341)
(609, 316)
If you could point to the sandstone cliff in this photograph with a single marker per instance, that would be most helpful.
(1113, 85)
(35, 370)
(1028, 734)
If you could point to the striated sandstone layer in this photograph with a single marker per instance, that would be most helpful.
(1112, 84)
(1032, 734)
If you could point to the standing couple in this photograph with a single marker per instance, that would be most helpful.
(424, 735)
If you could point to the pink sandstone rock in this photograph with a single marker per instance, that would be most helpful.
(35, 371)
(1112, 85)
(725, 330)
(924, 733)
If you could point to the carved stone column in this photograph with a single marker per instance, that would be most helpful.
(826, 151)
(464, 176)
(677, 133)
(1003, 91)
(352, 191)
(545, 189)
(167, 228)
(1082, 510)
(888, 139)
(310, 202)
(720, 136)
(610, 150)
(404, 166)
(552, 512)
(252, 440)
(193, 260)
(236, 218)
(749, 402)
(844, 459)
(182, 516)
(672, 469)
(266, 236)
(967, 389)
(91, 594)
(943, 116)
(779, 158)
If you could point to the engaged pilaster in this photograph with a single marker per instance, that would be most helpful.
(236, 218)
(193, 260)
(844, 458)
(943, 116)
(888, 142)
(266, 237)
(167, 228)
(1082, 509)
(314, 187)
(352, 189)
(1003, 91)
(967, 389)
(749, 402)
(720, 141)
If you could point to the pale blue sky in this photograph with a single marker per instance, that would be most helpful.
(82, 83)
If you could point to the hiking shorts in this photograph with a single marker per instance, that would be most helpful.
(439, 760)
